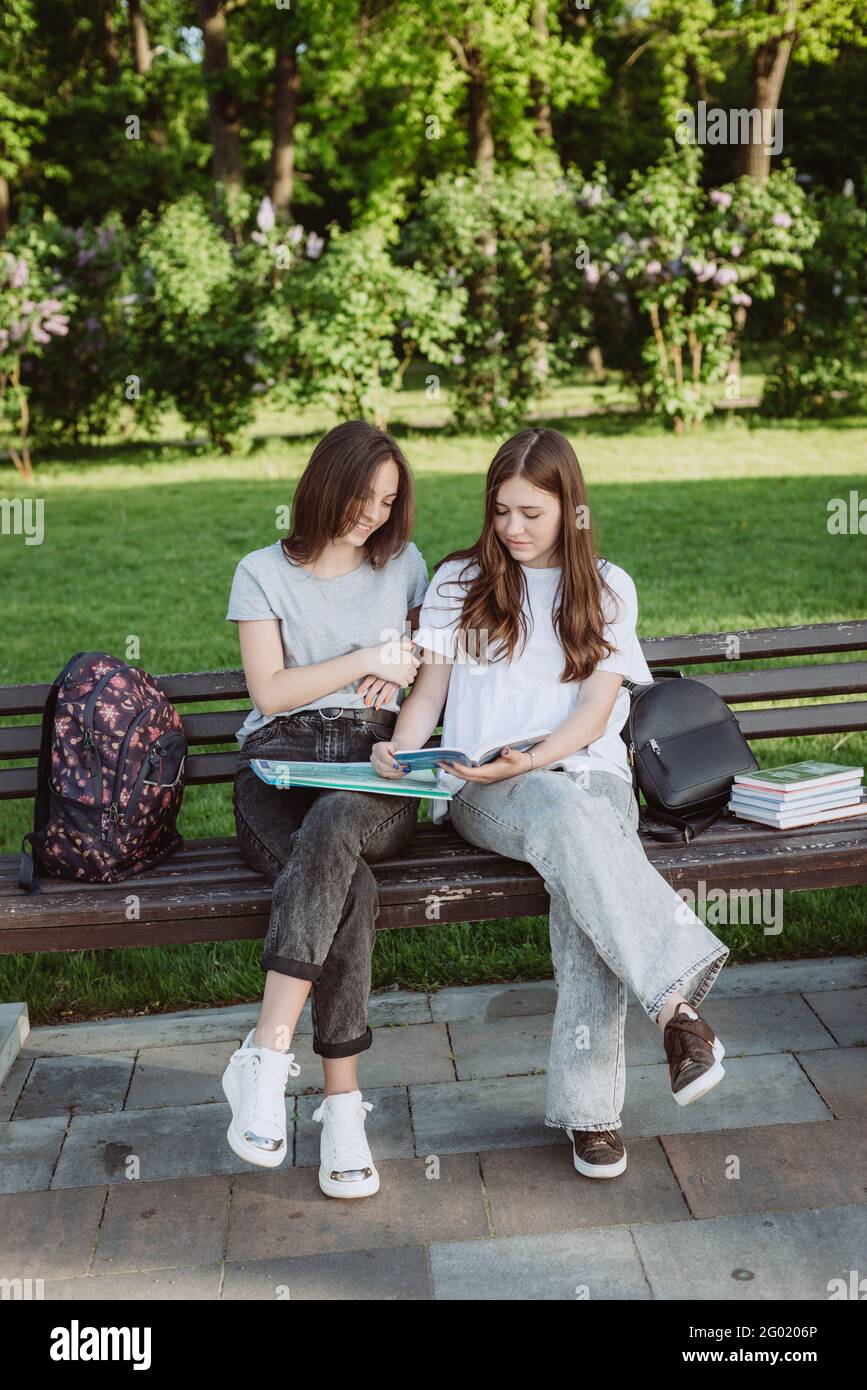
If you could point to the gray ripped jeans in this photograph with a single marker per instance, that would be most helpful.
(315, 846)
(614, 921)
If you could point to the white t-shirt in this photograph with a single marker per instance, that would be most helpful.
(505, 699)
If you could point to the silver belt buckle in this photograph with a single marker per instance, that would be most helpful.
(330, 717)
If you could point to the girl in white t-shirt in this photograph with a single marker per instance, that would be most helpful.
(530, 629)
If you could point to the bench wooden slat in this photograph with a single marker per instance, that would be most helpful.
(788, 682)
(803, 640)
(796, 721)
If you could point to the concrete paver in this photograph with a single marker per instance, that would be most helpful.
(179, 1141)
(771, 1168)
(570, 1265)
(777, 1255)
(844, 1014)
(74, 1085)
(283, 1213)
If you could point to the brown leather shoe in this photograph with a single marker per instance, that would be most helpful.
(694, 1054)
(597, 1153)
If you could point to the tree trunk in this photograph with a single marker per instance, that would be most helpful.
(4, 207)
(481, 129)
(110, 54)
(142, 58)
(141, 46)
(223, 108)
(540, 87)
(766, 84)
(287, 83)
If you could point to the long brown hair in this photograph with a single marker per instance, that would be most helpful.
(330, 495)
(494, 597)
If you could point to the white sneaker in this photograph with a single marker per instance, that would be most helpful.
(254, 1084)
(345, 1162)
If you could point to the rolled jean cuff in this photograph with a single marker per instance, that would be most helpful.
(582, 1124)
(714, 962)
(299, 969)
(344, 1049)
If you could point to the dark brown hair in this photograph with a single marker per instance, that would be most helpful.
(494, 597)
(330, 495)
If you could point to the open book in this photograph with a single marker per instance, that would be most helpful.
(418, 758)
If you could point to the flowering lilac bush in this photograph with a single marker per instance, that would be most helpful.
(75, 385)
(341, 322)
(692, 263)
(34, 310)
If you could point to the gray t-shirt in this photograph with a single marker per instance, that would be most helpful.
(323, 618)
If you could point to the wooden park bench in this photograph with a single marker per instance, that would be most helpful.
(205, 892)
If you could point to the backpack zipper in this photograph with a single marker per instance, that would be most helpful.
(655, 746)
(88, 747)
(114, 811)
(151, 758)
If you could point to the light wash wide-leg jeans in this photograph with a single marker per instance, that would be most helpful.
(614, 921)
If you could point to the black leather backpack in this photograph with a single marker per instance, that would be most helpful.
(685, 746)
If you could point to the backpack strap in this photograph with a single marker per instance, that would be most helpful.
(688, 829)
(28, 866)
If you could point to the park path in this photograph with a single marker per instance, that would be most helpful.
(478, 1198)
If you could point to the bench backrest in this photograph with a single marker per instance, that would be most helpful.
(209, 732)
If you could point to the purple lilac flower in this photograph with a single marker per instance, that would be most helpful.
(703, 271)
(591, 274)
(736, 249)
(781, 219)
(653, 268)
(722, 199)
(727, 276)
(296, 235)
(20, 274)
(315, 246)
(266, 217)
(592, 194)
(741, 298)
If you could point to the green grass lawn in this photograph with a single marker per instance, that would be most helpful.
(720, 530)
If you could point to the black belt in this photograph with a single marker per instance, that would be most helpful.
(371, 715)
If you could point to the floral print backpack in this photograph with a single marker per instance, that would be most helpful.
(110, 777)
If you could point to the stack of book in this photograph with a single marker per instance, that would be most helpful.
(799, 794)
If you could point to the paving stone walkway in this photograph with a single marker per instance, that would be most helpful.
(116, 1180)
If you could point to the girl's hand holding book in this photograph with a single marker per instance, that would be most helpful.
(510, 763)
(385, 762)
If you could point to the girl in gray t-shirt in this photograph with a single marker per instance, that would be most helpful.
(324, 617)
